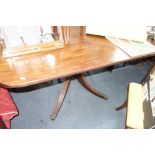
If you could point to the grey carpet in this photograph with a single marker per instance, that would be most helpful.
(80, 110)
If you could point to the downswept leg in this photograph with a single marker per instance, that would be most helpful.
(88, 87)
(61, 98)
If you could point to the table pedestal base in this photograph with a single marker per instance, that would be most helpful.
(82, 80)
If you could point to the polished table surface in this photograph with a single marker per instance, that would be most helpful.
(84, 53)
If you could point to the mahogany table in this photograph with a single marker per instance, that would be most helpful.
(84, 53)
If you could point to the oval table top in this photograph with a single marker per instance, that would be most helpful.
(84, 53)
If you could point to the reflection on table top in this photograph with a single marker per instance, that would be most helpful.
(84, 53)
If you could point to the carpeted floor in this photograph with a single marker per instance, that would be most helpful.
(80, 110)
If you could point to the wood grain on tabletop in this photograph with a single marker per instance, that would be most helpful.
(85, 52)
